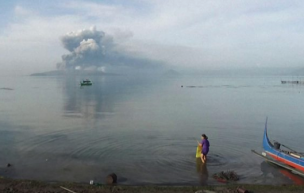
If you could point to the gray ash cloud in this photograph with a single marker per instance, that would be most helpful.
(94, 48)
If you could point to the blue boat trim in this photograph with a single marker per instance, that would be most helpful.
(281, 155)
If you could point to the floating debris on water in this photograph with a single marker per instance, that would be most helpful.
(111, 179)
(292, 82)
(225, 177)
(4, 88)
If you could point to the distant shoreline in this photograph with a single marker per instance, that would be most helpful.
(73, 72)
(181, 72)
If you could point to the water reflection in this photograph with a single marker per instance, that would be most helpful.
(202, 171)
(98, 100)
(86, 101)
(295, 178)
(271, 171)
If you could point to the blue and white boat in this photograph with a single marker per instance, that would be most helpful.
(284, 156)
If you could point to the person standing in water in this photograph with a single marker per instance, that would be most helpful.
(205, 148)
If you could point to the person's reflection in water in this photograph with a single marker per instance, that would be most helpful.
(202, 171)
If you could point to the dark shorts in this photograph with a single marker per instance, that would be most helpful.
(205, 152)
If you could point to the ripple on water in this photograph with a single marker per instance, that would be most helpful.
(168, 158)
(235, 153)
(216, 160)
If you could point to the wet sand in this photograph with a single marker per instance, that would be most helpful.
(30, 186)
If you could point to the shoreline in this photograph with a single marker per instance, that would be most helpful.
(21, 186)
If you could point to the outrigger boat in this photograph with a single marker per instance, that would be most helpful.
(286, 158)
(86, 82)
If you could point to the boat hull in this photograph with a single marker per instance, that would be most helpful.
(85, 84)
(280, 155)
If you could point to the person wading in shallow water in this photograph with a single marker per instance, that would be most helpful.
(205, 147)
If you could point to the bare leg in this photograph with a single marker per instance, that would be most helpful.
(205, 158)
(202, 158)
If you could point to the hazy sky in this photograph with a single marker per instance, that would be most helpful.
(197, 33)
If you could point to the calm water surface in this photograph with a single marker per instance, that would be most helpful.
(145, 130)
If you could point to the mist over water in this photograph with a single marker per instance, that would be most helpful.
(145, 129)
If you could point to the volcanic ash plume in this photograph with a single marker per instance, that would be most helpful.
(87, 48)
(93, 49)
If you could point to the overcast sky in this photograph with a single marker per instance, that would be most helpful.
(196, 34)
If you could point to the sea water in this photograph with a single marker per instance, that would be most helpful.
(145, 129)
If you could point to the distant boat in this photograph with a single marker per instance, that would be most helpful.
(86, 82)
(286, 158)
